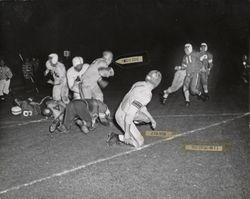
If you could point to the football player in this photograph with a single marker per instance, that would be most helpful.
(60, 88)
(5, 78)
(133, 110)
(85, 113)
(191, 62)
(245, 69)
(92, 79)
(74, 75)
(177, 83)
(207, 64)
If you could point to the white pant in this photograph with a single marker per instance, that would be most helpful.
(4, 87)
(178, 81)
(135, 138)
(60, 92)
(92, 92)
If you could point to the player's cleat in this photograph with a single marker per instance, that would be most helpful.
(139, 123)
(84, 129)
(82, 125)
(62, 129)
(187, 103)
(163, 100)
(55, 124)
(206, 96)
(202, 97)
(112, 136)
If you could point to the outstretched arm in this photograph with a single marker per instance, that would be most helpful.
(144, 110)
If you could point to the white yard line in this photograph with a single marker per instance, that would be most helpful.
(120, 154)
(199, 115)
(16, 123)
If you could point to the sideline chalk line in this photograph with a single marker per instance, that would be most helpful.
(121, 154)
(13, 124)
(22, 123)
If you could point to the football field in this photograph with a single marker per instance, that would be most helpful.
(204, 153)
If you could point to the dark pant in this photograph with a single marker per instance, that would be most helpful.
(76, 109)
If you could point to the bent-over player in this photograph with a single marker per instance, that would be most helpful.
(85, 113)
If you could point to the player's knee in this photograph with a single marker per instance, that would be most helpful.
(100, 97)
(116, 116)
(185, 88)
(169, 90)
(194, 91)
(141, 141)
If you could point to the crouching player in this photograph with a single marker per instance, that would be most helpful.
(133, 110)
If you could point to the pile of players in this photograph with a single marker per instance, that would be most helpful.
(193, 72)
(87, 106)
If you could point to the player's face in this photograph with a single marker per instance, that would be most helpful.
(78, 67)
(2, 63)
(203, 48)
(109, 59)
(187, 50)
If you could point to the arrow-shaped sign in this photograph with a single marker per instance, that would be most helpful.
(130, 60)
(135, 59)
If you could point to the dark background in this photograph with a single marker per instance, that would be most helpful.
(160, 28)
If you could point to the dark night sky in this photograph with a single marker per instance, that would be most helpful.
(87, 27)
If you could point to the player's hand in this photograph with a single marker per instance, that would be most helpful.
(78, 79)
(177, 67)
(46, 73)
(50, 82)
(153, 124)
(203, 70)
(102, 83)
(111, 72)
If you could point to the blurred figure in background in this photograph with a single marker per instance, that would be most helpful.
(245, 69)
(207, 64)
(36, 67)
(28, 75)
(5, 77)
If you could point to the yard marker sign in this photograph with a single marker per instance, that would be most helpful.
(203, 147)
(165, 134)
